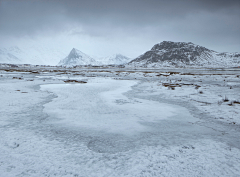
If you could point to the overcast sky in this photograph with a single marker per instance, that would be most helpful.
(129, 27)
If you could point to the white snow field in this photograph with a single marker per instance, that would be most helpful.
(119, 123)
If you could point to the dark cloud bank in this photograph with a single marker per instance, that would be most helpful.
(214, 24)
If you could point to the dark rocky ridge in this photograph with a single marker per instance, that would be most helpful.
(168, 50)
(183, 53)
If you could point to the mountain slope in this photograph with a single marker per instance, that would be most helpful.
(76, 57)
(116, 59)
(7, 55)
(169, 53)
(30, 55)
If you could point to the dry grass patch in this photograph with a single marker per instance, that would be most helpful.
(75, 81)
(20, 78)
(171, 85)
(188, 74)
(225, 99)
(236, 102)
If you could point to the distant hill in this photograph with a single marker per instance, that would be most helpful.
(116, 59)
(9, 55)
(76, 57)
(182, 54)
(30, 55)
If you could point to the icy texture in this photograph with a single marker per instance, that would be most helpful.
(119, 123)
(100, 105)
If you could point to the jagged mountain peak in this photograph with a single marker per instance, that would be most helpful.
(73, 50)
(169, 53)
(76, 57)
(75, 53)
(169, 45)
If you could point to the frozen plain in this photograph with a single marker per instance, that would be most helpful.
(119, 123)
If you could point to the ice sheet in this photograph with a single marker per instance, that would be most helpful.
(167, 140)
(100, 104)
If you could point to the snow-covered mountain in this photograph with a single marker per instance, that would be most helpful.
(169, 53)
(76, 57)
(41, 55)
(8, 55)
(116, 59)
(30, 55)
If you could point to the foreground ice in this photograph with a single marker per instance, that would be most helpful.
(109, 127)
(100, 105)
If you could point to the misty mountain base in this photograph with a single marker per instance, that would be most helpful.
(164, 54)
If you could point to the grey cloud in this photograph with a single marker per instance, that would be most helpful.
(30, 16)
(155, 19)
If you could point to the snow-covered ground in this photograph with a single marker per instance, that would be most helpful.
(119, 123)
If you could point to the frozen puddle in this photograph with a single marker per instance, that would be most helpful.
(100, 105)
(110, 122)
